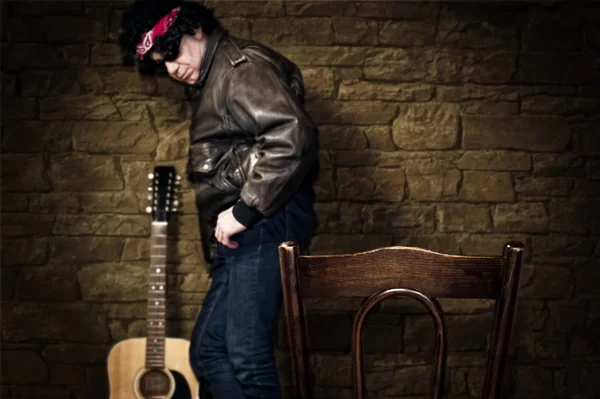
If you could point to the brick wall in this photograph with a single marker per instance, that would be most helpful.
(453, 127)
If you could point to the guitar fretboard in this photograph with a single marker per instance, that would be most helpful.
(157, 287)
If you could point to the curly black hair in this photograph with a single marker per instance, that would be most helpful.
(144, 14)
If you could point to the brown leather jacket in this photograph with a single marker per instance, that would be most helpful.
(252, 143)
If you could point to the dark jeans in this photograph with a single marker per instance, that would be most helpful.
(232, 345)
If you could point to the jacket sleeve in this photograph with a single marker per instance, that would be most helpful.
(262, 103)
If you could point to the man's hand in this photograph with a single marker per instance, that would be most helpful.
(227, 226)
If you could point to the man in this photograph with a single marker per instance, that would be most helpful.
(253, 160)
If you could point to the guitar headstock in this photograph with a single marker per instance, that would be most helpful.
(163, 191)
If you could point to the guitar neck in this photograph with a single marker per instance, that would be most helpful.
(157, 288)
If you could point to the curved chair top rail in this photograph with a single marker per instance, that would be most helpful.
(432, 273)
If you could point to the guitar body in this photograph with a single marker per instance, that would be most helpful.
(126, 367)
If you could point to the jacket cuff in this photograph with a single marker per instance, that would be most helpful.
(246, 215)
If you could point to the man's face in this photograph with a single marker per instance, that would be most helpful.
(186, 67)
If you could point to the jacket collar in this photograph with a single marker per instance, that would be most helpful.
(209, 54)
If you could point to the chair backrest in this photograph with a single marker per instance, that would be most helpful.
(400, 271)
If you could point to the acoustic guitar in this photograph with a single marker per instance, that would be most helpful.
(155, 367)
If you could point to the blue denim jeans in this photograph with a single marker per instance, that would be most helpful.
(232, 345)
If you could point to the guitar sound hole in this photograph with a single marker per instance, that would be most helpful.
(155, 384)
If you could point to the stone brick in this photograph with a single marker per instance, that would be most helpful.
(399, 65)
(319, 8)
(398, 219)
(429, 127)
(42, 56)
(319, 82)
(361, 90)
(549, 282)
(543, 186)
(332, 370)
(463, 218)
(464, 332)
(113, 282)
(79, 107)
(578, 374)
(325, 188)
(27, 224)
(48, 283)
(335, 137)
(19, 109)
(354, 31)
(24, 252)
(194, 283)
(494, 160)
(586, 188)
(49, 83)
(522, 217)
(408, 10)
(23, 367)
(325, 244)
(380, 138)
(14, 202)
(75, 321)
(474, 66)
(126, 310)
(81, 250)
(324, 56)
(28, 173)
(491, 244)
(112, 202)
(586, 136)
(438, 243)
(329, 331)
(352, 112)
(293, 31)
(371, 184)
(476, 92)
(433, 187)
(8, 282)
(570, 216)
(138, 107)
(567, 106)
(187, 228)
(69, 29)
(354, 158)
(238, 27)
(119, 80)
(107, 54)
(80, 172)
(553, 31)
(568, 316)
(116, 225)
(75, 353)
(114, 137)
(46, 8)
(466, 28)
(168, 88)
(555, 247)
(487, 187)
(587, 278)
(408, 33)
(561, 165)
(489, 108)
(519, 133)
(37, 136)
(54, 203)
(535, 381)
(557, 68)
(66, 374)
(546, 348)
(240, 8)
(533, 316)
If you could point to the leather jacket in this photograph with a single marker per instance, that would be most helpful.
(252, 143)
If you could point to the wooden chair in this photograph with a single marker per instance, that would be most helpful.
(400, 271)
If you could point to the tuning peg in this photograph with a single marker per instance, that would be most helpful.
(148, 209)
(150, 188)
(175, 203)
(174, 210)
(150, 176)
(149, 197)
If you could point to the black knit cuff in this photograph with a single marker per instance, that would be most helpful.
(246, 215)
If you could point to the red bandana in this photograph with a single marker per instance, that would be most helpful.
(161, 27)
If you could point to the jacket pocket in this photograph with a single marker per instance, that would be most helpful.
(205, 159)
